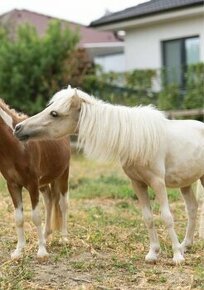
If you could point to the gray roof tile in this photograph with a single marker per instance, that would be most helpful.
(146, 9)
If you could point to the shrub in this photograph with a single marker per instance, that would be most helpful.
(32, 68)
(194, 86)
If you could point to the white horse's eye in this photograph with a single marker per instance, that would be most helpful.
(54, 114)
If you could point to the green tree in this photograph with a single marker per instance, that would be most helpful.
(32, 68)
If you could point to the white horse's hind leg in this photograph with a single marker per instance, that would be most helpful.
(142, 194)
(200, 196)
(191, 208)
(159, 187)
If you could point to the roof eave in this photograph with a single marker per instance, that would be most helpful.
(152, 18)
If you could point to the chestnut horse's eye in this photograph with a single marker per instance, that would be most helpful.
(54, 114)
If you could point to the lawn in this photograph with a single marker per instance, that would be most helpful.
(107, 239)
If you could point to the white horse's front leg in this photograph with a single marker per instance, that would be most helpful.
(159, 187)
(142, 194)
(42, 252)
(20, 233)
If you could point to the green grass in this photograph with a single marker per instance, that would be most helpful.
(110, 186)
(15, 274)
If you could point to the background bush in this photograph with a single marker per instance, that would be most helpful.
(194, 97)
(32, 68)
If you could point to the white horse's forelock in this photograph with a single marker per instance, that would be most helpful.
(62, 99)
(110, 132)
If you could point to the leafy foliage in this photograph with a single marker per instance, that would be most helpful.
(195, 86)
(169, 97)
(32, 68)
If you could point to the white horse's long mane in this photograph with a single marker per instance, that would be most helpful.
(113, 132)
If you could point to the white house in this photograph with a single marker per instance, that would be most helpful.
(160, 34)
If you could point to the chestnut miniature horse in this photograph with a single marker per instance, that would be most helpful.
(37, 166)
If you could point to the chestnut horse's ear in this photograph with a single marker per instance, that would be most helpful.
(76, 101)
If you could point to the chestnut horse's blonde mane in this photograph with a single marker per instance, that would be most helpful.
(113, 132)
(16, 117)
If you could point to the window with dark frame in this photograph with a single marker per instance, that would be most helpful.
(177, 54)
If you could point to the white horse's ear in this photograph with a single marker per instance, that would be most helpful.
(76, 101)
(69, 87)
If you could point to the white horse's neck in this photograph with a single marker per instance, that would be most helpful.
(108, 132)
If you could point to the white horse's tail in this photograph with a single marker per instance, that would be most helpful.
(200, 198)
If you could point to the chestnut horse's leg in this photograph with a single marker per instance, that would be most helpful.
(59, 194)
(158, 185)
(142, 194)
(191, 208)
(34, 195)
(16, 195)
(45, 190)
(63, 202)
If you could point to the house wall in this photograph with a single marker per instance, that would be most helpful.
(143, 44)
(112, 62)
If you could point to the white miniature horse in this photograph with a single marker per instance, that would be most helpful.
(153, 151)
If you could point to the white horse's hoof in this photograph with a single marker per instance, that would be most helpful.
(16, 255)
(42, 255)
(42, 258)
(178, 259)
(151, 258)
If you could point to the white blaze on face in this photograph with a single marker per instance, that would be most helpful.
(7, 119)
